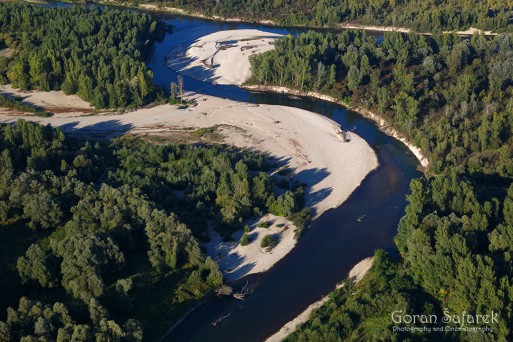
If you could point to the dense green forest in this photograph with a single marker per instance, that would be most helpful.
(97, 54)
(421, 15)
(100, 240)
(453, 98)
(456, 247)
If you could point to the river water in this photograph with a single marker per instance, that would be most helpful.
(333, 243)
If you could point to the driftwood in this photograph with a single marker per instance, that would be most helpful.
(247, 47)
(246, 290)
(345, 134)
(220, 319)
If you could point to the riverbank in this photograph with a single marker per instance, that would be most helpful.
(266, 22)
(52, 101)
(357, 273)
(192, 63)
(307, 144)
(380, 121)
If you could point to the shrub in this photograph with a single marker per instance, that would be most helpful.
(268, 242)
(244, 240)
(264, 224)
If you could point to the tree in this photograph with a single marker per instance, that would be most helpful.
(353, 78)
(39, 265)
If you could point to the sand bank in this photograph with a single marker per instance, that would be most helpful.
(221, 69)
(307, 143)
(53, 101)
(255, 259)
(380, 121)
(357, 273)
(221, 57)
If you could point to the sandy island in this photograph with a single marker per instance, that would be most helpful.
(221, 57)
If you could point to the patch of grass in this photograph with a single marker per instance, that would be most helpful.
(16, 103)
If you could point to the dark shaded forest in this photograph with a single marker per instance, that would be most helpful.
(420, 15)
(100, 240)
(97, 54)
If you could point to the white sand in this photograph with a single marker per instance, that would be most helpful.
(54, 101)
(360, 269)
(379, 120)
(357, 273)
(221, 57)
(307, 143)
(236, 261)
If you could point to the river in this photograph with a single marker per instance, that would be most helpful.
(333, 243)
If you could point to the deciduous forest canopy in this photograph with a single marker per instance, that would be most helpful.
(421, 15)
(97, 54)
(101, 239)
(453, 98)
(88, 228)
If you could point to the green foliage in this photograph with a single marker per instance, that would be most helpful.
(34, 321)
(264, 224)
(244, 240)
(97, 54)
(102, 229)
(417, 14)
(268, 241)
(450, 97)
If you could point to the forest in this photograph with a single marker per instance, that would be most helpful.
(420, 15)
(100, 240)
(97, 54)
(452, 97)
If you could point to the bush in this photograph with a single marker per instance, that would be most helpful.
(247, 229)
(268, 242)
(244, 240)
(264, 224)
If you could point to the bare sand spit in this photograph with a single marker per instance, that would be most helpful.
(308, 144)
(54, 101)
(236, 260)
(221, 57)
(357, 273)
